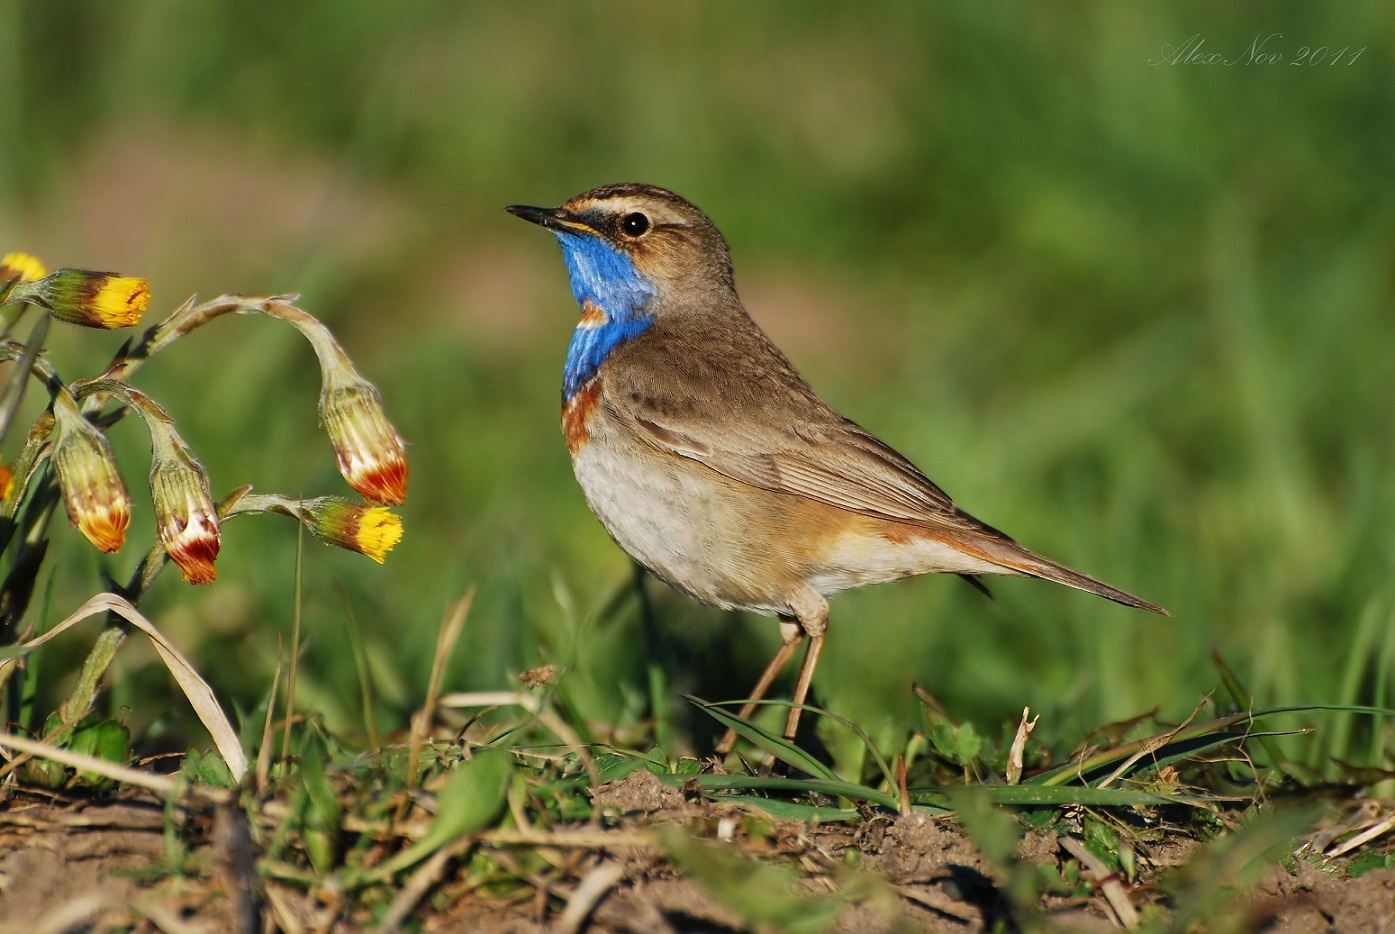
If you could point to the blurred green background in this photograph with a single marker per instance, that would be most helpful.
(1136, 312)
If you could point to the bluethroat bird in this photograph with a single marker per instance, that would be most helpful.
(711, 461)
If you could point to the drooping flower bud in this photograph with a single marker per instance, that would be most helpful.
(91, 299)
(93, 491)
(186, 518)
(371, 455)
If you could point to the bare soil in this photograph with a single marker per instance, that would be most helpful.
(106, 865)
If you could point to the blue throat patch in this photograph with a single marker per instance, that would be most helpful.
(613, 296)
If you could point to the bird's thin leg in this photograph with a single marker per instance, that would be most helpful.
(790, 632)
(814, 625)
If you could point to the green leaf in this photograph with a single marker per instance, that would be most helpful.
(612, 767)
(92, 736)
(104, 739)
(959, 744)
(206, 768)
(1100, 839)
(474, 795)
(1368, 861)
(688, 765)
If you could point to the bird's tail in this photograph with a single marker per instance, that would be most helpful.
(1013, 558)
(1037, 566)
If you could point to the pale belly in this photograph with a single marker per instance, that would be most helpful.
(678, 525)
(738, 547)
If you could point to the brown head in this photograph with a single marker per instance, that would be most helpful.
(663, 239)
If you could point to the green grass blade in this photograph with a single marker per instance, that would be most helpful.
(1111, 757)
(1060, 794)
(782, 749)
(852, 725)
(792, 810)
(294, 670)
(1337, 708)
(1192, 741)
(13, 393)
(817, 786)
(1245, 701)
(368, 695)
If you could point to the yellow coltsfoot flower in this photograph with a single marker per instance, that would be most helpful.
(22, 265)
(16, 268)
(91, 299)
(369, 530)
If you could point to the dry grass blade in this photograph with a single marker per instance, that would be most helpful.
(264, 753)
(530, 703)
(19, 379)
(1019, 746)
(1366, 836)
(572, 839)
(193, 685)
(235, 863)
(294, 661)
(1109, 884)
(446, 638)
(421, 882)
(1152, 746)
(941, 903)
(1367, 814)
(163, 785)
(588, 894)
(164, 914)
(284, 913)
(160, 784)
(74, 915)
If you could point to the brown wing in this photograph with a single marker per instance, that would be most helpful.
(732, 402)
(722, 395)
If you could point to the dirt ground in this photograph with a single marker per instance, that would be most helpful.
(105, 865)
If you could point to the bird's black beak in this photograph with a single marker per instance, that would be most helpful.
(551, 218)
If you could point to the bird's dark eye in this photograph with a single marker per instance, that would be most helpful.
(634, 224)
